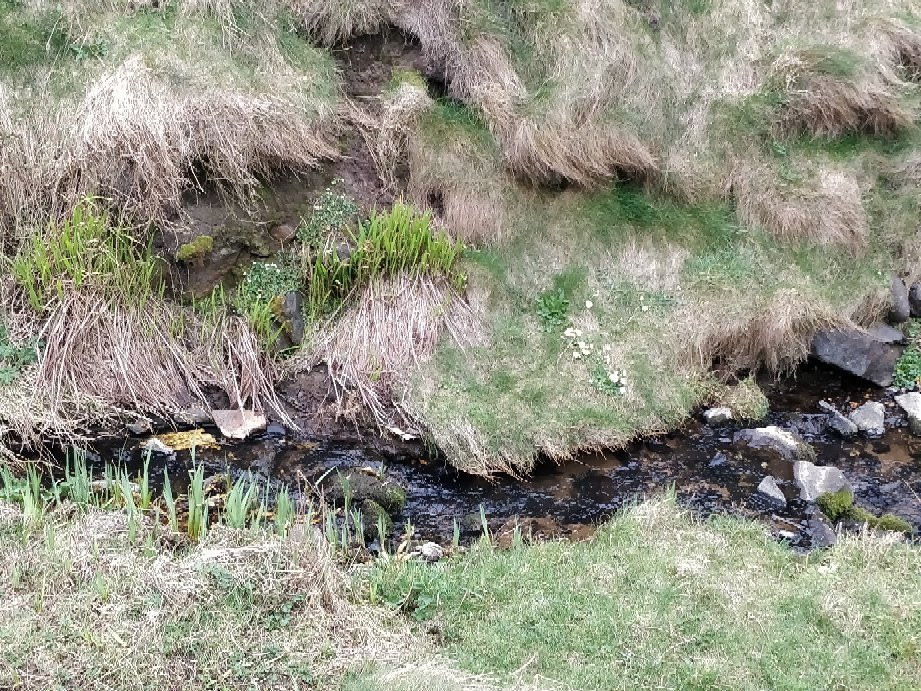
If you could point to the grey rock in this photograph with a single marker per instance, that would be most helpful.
(858, 352)
(788, 535)
(770, 492)
(838, 422)
(139, 427)
(808, 424)
(886, 334)
(292, 317)
(771, 442)
(192, 416)
(814, 481)
(238, 424)
(821, 530)
(914, 299)
(275, 430)
(717, 416)
(719, 460)
(870, 418)
(911, 404)
(899, 306)
(431, 552)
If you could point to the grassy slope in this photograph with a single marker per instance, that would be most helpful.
(657, 600)
(672, 286)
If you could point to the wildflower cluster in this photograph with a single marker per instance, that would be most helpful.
(605, 376)
(331, 212)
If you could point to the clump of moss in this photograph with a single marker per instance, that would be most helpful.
(840, 505)
(837, 505)
(195, 250)
(375, 516)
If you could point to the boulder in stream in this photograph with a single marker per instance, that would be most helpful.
(911, 404)
(821, 531)
(717, 416)
(772, 442)
(838, 422)
(770, 492)
(867, 354)
(870, 418)
(899, 305)
(814, 481)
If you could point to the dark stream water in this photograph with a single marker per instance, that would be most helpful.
(708, 474)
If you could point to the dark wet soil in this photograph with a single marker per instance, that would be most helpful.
(709, 475)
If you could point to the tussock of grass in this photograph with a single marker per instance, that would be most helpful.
(90, 603)
(659, 600)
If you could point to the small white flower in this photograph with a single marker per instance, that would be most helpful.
(622, 390)
(613, 377)
(589, 304)
(606, 348)
(570, 333)
(645, 308)
(576, 355)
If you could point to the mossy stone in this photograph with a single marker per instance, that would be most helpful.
(836, 505)
(196, 249)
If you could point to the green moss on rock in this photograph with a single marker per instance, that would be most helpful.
(195, 250)
(837, 505)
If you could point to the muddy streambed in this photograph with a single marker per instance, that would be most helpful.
(708, 473)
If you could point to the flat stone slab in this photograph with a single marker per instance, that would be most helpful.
(859, 352)
(238, 424)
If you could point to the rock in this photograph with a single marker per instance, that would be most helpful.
(276, 431)
(911, 404)
(838, 422)
(719, 460)
(386, 492)
(815, 481)
(808, 424)
(787, 535)
(821, 531)
(283, 233)
(914, 299)
(899, 305)
(293, 314)
(431, 551)
(192, 416)
(139, 427)
(154, 445)
(886, 334)
(770, 492)
(870, 418)
(858, 352)
(772, 441)
(375, 517)
(717, 416)
(238, 424)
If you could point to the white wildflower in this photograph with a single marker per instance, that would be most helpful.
(589, 304)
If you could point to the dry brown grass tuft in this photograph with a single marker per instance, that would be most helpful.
(905, 46)
(334, 22)
(377, 343)
(827, 210)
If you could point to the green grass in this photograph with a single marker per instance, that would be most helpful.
(14, 357)
(657, 600)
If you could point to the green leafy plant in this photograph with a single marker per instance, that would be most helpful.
(907, 373)
(14, 358)
(198, 505)
(258, 295)
(400, 240)
(552, 309)
(333, 212)
(85, 248)
(240, 502)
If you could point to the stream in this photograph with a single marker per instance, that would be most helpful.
(709, 475)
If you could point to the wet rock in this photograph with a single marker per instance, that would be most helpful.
(154, 445)
(719, 460)
(914, 299)
(808, 424)
(238, 424)
(814, 481)
(192, 416)
(717, 416)
(870, 418)
(899, 305)
(821, 531)
(139, 427)
(275, 431)
(858, 352)
(771, 442)
(911, 404)
(375, 517)
(837, 421)
(431, 551)
(787, 535)
(283, 233)
(362, 487)
(770, 492)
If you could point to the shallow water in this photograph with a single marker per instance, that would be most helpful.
(708, 474)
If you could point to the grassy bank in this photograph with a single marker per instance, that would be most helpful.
(658, 600)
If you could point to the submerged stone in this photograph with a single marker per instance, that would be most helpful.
(911, 404)
(814, 481)
(861, 353)
(870, 418)
(772, 441)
